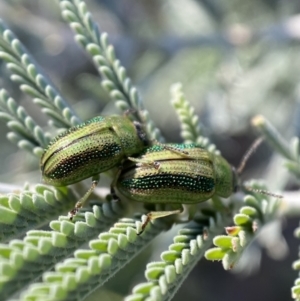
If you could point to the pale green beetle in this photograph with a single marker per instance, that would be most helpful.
(89, 149)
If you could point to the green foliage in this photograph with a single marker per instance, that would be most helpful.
(165, 277)
(296, 266)
(41, 250)
(26, 73)
(289, 151)
(77, 270)
(258, 211)
(25, 132)
(77, 277)
(190, 126)
(114, 78)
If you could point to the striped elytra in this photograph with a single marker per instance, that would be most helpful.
(180, 179)
(90, 148)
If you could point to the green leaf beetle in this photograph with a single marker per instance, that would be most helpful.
(179, 174)
(160, 175)
(88, 149)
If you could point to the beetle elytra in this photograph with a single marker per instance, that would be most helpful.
(89, 149)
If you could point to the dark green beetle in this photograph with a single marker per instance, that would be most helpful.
(161, 175)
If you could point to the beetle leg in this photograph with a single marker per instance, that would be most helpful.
(113, 194)
(115, 198)
(156, 164)
(83, 200)
(142, 161)
(158, 214)
(129, 112)
(174, 149)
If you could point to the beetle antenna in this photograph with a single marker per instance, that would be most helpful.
(248, 154)
(130, 111)
(265, 192)
(242, 165)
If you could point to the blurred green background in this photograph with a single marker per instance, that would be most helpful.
(235, 59)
